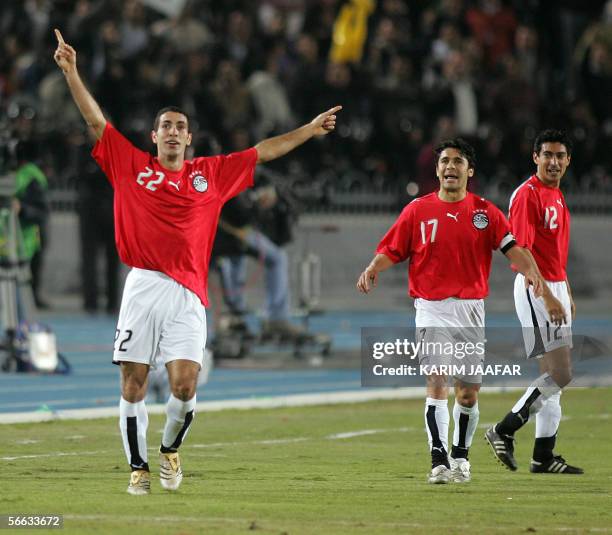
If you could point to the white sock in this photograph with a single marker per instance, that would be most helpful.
(436, 423)
(548, 417)
(532, 401)
(466, 421)
(179, 415)
(133, 423)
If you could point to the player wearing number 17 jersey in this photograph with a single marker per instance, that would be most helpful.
(448, 238)
(541, 222)
(166, 214)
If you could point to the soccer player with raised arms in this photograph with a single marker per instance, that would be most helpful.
(166, 214)
(448, 237)
(540, 222)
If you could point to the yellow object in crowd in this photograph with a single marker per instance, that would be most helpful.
(350, 31)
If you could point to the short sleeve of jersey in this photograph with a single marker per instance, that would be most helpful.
(502, 235)
(523, 218)
(235, 172)
(114, 154)
(397, 242)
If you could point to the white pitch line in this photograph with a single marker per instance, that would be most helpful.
(267, 442)
(254, 442)
(54, 454)
(365, 432)
(271, 402)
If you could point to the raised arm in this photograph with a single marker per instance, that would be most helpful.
(369, 278)
(65, 57)
(275, 147)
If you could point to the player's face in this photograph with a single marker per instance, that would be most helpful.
(453, 170)
(552, 162)
(172, 136)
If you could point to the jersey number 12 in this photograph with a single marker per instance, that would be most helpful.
(550, 218)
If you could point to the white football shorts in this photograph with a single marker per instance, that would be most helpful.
(452, 333)
(159, 318)
(539, 333)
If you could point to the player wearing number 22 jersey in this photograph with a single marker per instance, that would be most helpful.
(166, 220)
(166, 213)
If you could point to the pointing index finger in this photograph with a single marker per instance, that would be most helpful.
(59, 37)
(334, 110)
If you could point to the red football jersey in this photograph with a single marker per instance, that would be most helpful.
(449, 245)
(166, 220)
(540, 221)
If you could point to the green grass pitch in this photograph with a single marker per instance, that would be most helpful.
(357, 468)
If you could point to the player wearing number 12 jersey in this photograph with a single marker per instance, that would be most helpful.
(448, 238)
(541, 222)
(166, 214)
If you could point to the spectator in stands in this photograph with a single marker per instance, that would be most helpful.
(33, 210)
(96, 227)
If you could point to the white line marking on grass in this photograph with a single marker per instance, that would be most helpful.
(351, 434)
(272, 402)
(271, 442)
(255, 442)
(282, 440)
(26, 441)
(54, 454)
(603, 416)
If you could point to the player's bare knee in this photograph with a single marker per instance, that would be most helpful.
(466, 396)
(437, 381)
(437, 386)
(183, 390)
(561, 376)
(133, 381)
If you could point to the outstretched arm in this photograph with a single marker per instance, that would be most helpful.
(275, 147)
(369, 278)
(65, 57)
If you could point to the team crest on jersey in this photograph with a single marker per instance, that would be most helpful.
(199, 181)
(480, 219)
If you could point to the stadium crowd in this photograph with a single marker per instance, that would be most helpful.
(492, 71)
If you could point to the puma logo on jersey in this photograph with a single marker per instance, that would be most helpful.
(455, 216)
(437, 448)
(560, 203)
(175, 184)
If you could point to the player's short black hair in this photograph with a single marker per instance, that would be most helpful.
(175, 109)
(552, 136)
(462, 146)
